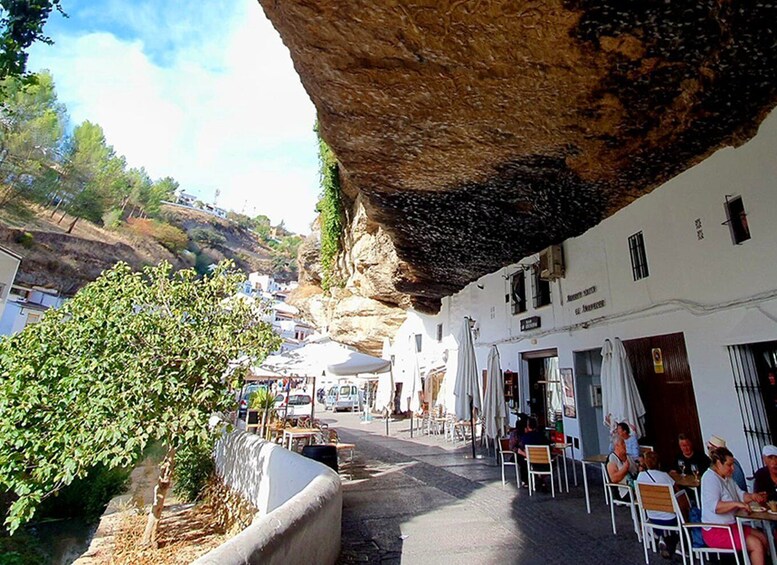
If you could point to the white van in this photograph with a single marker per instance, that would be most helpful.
(345, 397)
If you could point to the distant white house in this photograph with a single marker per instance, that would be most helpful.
(185, 199)
(26, 306)
(9, 264)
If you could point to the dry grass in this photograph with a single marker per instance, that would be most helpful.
(185, 533)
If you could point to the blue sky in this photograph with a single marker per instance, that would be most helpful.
(204, 92)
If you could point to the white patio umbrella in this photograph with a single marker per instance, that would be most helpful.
(494, 406)
(384, 396)
(415, 388)
(445, 396)
(620, 398)
(467, 387)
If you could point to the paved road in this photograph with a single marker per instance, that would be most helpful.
(424, 501)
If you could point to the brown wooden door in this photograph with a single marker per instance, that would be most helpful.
(670, 403)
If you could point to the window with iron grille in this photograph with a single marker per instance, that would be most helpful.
(518, 293)
(755, 380)
(736, 218)
(439, 333)
(540, 288)
(639, 266)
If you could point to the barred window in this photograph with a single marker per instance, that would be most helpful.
(639, 266)
(518, 293)
(540, 288)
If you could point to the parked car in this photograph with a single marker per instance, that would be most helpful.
(347, 398)
(300, 406)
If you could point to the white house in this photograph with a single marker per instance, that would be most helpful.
(9, 264)
(26, 305)
(686, 277)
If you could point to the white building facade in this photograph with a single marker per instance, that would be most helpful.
(9, 264)
(686, 277)
(26, 306)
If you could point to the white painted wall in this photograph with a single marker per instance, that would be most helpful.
(9, 264)
(299, 502)
(717, 293)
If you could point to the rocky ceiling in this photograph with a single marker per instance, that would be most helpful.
(479, 132)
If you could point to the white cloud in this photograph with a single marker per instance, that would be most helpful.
(227, 111)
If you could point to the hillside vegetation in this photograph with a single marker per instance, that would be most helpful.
(72, 207)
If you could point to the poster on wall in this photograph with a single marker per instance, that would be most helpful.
(568, 382)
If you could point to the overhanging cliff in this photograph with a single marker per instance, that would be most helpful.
(478, 132)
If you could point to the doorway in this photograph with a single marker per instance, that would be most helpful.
(544, 394)
(663, 377)
(588, 383)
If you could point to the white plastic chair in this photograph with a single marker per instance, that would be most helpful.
(661, 498)
(504, 454)
(539, 455)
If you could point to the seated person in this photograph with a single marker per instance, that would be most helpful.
(620, 468)
(688, 457)
(721, 498)
(651, 475)
(623, 431)
(515, 436)
(765, 479)
(533, 436)
(738, 477)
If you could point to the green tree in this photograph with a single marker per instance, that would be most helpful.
(330, 210)
(133, 358)
(262, 226)
(22, 22)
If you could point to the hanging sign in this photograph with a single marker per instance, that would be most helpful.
(658, 360)
(531, 323)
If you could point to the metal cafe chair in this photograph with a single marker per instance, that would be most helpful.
(539, 455)
(630, 501)
(660, 498)
(504, 454)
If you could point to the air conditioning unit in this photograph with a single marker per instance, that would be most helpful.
(552, 263)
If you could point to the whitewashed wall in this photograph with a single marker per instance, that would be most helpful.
(8, 266)
(717, 293)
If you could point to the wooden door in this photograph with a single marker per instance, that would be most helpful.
(670, 403)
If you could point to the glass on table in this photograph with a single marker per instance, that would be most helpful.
(695, 470)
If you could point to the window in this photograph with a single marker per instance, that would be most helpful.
(639, 266)
(518, 292)
(540, 288)
(439, 333)
(737, 220)
(418, 342)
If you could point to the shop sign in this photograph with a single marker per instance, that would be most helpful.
(531, 323)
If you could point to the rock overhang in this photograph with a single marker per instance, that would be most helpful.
(478, 133)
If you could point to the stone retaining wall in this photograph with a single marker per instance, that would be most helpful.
(299, 501)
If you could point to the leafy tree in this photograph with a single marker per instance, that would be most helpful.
(262, 226)
(133, 358)
(22, 22)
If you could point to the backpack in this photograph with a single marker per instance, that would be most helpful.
(694, 517)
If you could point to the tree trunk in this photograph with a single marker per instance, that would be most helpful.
(62, 217)
(72, 225)
(160, 492)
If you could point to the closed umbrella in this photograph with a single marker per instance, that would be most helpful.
(467, 387)
(414, 400)
(494, 407)
(384, 397)
(620, 398)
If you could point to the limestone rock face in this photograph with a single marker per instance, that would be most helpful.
(476, 133)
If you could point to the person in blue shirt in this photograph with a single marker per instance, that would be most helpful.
(632, 447)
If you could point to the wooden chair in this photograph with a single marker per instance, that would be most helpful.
(539, 455)
(509, 458)
(661, 498)
(644, 449)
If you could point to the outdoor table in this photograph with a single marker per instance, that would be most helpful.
(597, 460)
(766, 518)
(689, 482)
(561, 452)
(291, 433)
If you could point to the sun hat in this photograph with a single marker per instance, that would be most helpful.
(716, 441)
(769, 451)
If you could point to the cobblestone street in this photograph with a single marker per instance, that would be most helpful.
(424, 501)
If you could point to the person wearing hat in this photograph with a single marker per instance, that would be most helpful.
(765, 479)
(717, 442)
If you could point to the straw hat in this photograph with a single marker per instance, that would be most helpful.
(716, 441)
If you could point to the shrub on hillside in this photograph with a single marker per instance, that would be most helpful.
(169, 236)
(112, 218)
(207, 237)
(86, 497)
(193, 466)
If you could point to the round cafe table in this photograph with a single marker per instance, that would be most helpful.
(689, 482)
